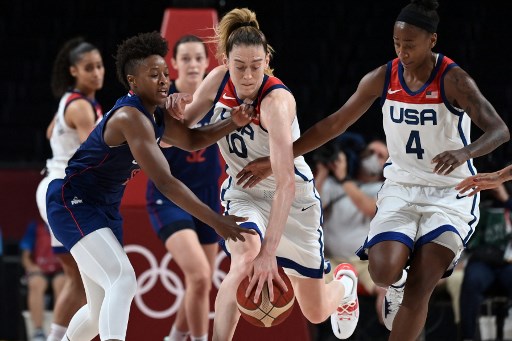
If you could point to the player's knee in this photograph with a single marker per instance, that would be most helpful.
(200, 282)
(127, 282)
(384, 275)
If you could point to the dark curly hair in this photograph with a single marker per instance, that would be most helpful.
(132, 51)
(70, 54)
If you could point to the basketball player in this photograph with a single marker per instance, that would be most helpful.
(192, 244)
(78, 73)
(284, 209)
(83, 208)
(428, 103)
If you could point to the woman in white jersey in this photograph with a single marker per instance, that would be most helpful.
(428, 103)
(78, 73)
(284, 209)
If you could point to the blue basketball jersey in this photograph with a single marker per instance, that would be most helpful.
(100, 172)
(88, 198)
(196, 169)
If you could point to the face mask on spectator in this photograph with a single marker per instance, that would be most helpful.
(371, 165)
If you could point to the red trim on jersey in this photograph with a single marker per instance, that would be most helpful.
(78, 95)
(230, 99)
(431, 94)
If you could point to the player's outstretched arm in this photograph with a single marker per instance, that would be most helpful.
(483, 181)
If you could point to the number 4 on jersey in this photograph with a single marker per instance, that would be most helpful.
(414, 145)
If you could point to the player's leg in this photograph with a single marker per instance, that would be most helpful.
(428, 266)
(188, 254)
(101, 258)
(70, 299)
(37, 284)
(226, 311)
(317, 299)
(58, 281)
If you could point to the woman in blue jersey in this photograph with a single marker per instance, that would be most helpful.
(428, 103)
(283, 209)
(192, 243)
(83, 208)
(77, 75)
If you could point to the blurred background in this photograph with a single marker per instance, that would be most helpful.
(323, 48)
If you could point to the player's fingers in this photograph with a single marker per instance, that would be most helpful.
(464, 189)
(449, 169)
(243, 178)
(258, 290)
(270, 286)
(240, 219)
(252, 282)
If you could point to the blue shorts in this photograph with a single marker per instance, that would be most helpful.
(167, 218)
(71, 217)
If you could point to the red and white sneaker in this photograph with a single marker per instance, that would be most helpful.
(344, 319)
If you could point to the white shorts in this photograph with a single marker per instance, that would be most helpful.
(417, 215)
(301, 249)
(41, 205)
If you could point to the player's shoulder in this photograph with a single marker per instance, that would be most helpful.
(217, 74)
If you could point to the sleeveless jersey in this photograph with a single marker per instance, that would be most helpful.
(195, 169)
(64, 140)
(252, 141)
(421, 124)
(98, 172)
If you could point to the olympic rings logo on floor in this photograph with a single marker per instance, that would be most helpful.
(169, 279)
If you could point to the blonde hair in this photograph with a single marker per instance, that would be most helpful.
(240, 27)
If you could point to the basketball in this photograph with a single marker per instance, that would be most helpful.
(266, 313)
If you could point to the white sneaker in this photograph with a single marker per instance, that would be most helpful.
(344, 319)
(392, 301)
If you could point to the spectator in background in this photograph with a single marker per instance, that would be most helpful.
(77, 74)
(349, 202)
(42, 268)
(379, 148)
(192, 243)
(490, 258)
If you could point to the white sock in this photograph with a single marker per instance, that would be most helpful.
(348, 283)
(400, 283)
(177, 335)
(200, 338)
(57, 332)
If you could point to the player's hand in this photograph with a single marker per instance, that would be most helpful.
(228, 228)
(479, 182)
(175, 104)
(264, 271)
(243, 114)
(254, 172)
(447, 161)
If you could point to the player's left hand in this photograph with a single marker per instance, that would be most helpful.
(447, 161)
(175, 104)
(264, 271)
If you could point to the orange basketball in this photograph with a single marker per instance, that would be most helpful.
(266, 313)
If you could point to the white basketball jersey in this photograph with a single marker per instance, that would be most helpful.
(64, 140)
(420, 125)
(252, 141)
